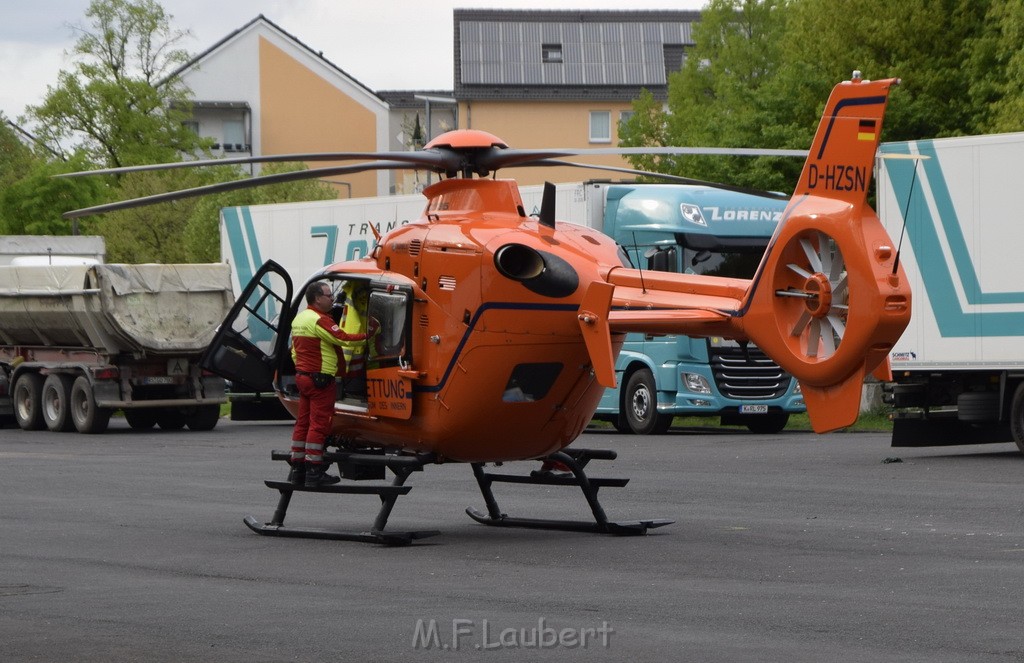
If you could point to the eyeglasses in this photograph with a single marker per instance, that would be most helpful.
(324, 294)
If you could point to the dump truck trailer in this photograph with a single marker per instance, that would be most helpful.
(78, 342)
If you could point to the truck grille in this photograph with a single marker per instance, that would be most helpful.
(747, 374)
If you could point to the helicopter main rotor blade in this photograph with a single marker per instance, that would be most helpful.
(508, 158)
(442, 158)
(774, 195)
(234, 185)
(714, 151)
(429, 159)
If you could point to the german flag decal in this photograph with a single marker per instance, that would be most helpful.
(867, 130)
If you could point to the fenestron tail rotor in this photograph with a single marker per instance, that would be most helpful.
(819, 289)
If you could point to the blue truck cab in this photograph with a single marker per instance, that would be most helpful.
(695, 230)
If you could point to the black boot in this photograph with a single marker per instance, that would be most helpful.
(316, 477)
(297, 475)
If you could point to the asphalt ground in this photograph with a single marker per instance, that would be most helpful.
(793, 547)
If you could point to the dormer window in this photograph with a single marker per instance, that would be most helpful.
(551, 53)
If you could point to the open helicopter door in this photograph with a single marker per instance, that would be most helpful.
(388, 365)
(247, 344)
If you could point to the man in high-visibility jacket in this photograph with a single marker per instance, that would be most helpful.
(316, 349)
(353, 321)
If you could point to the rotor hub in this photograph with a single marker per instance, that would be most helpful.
(819, 289)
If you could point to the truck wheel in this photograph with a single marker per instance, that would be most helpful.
(88, 417)
(203, 417)
(28, 401)
(1017, 417)
(767, 424)
(641, 405)
(140, 419)
(56, 401)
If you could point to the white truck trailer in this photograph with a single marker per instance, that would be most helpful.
(959, 368)
(79, 341)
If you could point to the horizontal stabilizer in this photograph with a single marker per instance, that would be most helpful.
(666, 321)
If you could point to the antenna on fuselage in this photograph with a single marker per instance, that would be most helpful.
(547, 206)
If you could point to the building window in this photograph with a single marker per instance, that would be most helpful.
(600, 126)
(551, 53)
(192, 126)
(625, 116)
(234, 136)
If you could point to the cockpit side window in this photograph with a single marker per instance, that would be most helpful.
(388, 314)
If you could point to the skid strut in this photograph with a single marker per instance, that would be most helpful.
(353, 466)
(576, 460)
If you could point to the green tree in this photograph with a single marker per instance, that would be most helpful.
(929, 44)
(15, 157)
(645, 128)
(15, 161)
(187, 230)
(121, 102)
(998, 68)
(202, 232)
(33, 203)
(761, 70)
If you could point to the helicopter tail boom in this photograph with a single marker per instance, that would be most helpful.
(828, 300)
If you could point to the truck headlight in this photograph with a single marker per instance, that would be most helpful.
(695, 383)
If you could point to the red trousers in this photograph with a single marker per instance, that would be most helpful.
(313, 424)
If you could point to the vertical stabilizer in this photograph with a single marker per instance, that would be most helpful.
(841, 158)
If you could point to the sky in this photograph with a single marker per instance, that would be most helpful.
(384, 44)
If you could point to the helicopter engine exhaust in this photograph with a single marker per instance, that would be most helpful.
(540, 271)
(519, 262)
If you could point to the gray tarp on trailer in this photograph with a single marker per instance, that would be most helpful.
(161, 309)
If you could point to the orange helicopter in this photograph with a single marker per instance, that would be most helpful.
(498, 332)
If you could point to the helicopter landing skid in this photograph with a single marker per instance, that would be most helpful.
(575, 459)
(357, 466)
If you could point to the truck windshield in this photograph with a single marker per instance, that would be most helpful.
(739, 261)
(733, 263)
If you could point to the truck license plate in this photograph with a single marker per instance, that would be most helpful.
(158, 379)
(753, 409)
